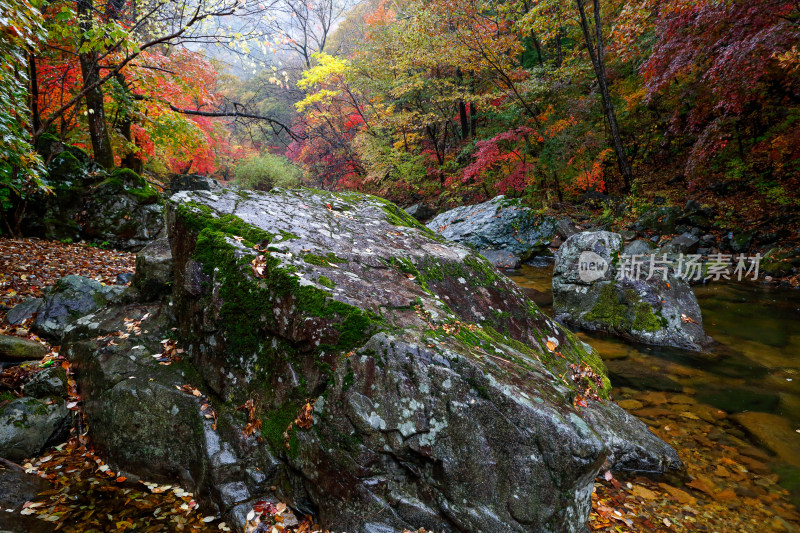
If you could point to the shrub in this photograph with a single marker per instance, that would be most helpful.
(263, 172)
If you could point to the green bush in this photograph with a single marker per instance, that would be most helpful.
(264, 172)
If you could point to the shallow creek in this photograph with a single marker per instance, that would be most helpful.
(747, 387)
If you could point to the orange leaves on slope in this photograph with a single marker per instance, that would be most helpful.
(253, 426)
(304, 420)
(29, 265)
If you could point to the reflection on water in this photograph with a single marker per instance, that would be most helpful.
(754, 367)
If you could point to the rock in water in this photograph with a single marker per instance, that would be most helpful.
(424, 413)
(501, 224)
(588, 294)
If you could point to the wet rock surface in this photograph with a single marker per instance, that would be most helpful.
(345, 303)
(502, 224)
(28, 425)
(590, 293)
(69, 299)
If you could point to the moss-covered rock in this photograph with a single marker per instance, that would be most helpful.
(590, 293)
(408, 347)
(19, 349)
(28, 425)
(123, 210)
(85, 202)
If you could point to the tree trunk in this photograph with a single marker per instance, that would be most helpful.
(130, 159)
(462, 108)
(33, 77)
(98, 129)
(538, 47)
(597, 55)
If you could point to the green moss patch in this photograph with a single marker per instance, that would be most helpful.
(624, 312)
(247, 311)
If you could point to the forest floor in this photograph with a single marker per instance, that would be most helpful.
(726, 486)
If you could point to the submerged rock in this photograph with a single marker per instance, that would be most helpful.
(773, 431)
(589, 292)
(501, 224)
(366, 353)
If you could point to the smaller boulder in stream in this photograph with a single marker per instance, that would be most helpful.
(502, 224)
(591, 292)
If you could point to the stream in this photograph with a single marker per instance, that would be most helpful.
(753, 368)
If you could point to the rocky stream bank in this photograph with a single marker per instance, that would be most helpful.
(328, 352)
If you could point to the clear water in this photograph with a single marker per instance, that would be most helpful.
(755, 365)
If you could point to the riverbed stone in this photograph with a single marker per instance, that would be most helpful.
(591, 292)
(773, 431)
(501, 224)
(19, 349)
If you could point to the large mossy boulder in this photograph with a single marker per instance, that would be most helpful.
(442, 397)
(501, 224)
(590, 292)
